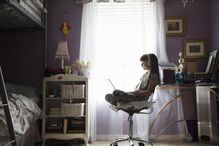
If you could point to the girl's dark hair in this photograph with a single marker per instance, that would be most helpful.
(152, 60)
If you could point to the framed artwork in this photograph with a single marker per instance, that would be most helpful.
(192, 66)
(194, 48)
(175, 25)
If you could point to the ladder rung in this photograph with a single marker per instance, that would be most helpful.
(10, 142)
(3, 105)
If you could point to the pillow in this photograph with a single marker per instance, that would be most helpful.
(28, 91)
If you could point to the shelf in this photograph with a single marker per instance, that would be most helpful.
(62, 77)
(65, 136)
(63, 114)
(60, 116)
(61, 98)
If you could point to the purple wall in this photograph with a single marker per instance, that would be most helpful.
(22, 56)
(214, 24)
(58, 11)
(197, 27)
(197, 16)
(22, 52)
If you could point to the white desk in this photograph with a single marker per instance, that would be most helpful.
(168, 117)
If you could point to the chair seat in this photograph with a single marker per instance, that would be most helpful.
(132, 107)
(135, 105)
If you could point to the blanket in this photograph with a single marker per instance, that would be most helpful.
(24, 111)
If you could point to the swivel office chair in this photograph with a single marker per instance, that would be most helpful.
(131, 108)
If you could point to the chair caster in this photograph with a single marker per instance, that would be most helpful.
(114, 144)
(141, 144)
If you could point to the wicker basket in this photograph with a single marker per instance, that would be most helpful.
(72, 109)
(73, 91)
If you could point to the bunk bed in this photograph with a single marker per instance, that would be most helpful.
(22, 110)
(22, 14)
(22, 100)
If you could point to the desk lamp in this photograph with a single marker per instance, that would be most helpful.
(62, 52)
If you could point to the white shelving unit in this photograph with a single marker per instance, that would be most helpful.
(65, 109)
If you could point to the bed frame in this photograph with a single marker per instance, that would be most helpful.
(14, 15)
(5, 106)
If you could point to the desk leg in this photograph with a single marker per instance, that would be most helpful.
(170, 124)
(161, 109)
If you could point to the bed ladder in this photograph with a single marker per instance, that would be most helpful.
(5, 106)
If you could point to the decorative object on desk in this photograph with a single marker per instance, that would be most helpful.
(62, 52)
(67, 69)
(81, 67)
(53, 71)
(181, 62)
(179, 77)
(167, 73)
(194, 48)
(179, 74)
(175, 25)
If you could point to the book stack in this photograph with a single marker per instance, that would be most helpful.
(76, 125)
(55, 125)
(55, 112)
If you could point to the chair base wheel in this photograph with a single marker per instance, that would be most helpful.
(114, 144)
(141, 144)
(131, 141)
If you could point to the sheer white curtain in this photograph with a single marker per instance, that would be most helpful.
(113, 37)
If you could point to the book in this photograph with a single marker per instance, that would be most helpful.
(65, 125)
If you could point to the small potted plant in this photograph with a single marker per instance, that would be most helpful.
(81, 67)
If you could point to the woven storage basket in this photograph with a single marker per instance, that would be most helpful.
(72, 109)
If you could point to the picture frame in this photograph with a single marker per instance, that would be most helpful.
(194, 49)
(192, 66)
(175, 25)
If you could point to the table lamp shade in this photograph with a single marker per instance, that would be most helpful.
(62, 52)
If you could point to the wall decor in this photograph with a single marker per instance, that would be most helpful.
(194, 48)
(192, 66)
(175, 25)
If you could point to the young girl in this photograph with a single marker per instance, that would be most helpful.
(146, 86)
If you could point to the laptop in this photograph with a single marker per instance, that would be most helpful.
(111, 84)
